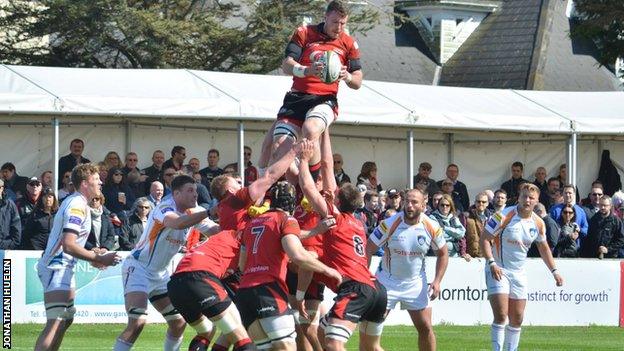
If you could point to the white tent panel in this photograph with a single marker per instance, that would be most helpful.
(471, 108)
(17, 94)
(593, 112)
(131, 92)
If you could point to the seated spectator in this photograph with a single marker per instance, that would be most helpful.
(382, 201)
(579, 213)
(118, 195)
(368, 176)
(435, 200)
(490, 195)
(540, 179)
(568, 233)
(203, 195)
(606, 234)
(47, 180)
(135, 178)
(548, 195)
(454, 231)
(102, 170)
(178, 154)
(618, 203)
(512, 185)
(12, 180)
(552, 231)
(68, 187)
(102, 233)
(156, 193)
(27, 203)
(112, 160)
(452, 172)
(500, 201)
(230, 168)
(194, 164)
(168, 175)
(593, 206)
(154, 172)
(71, 160)
(212, 171)
(10, 223)
(339, 173)
(424, 170)
(39, 222)
(251, 173)
(475, 222)
(133, 228)
(448, 189)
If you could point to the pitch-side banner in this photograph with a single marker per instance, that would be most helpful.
(590, 294)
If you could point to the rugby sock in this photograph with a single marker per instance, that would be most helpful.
(172, 343)
(512, 338)
(315, 170)
(217, 347)
(498, 336)
(243, 345)
(122, 345)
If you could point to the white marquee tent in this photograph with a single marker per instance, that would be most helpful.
(396, 125)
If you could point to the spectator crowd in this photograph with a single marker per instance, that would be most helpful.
(589, 227)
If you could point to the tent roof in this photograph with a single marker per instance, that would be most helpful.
(201, 94)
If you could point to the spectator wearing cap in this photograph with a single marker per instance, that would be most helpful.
(27, 203)
(154, 172)
(12, 180)
(368, 176)
(424, 170)
(119, 197)
(74, 158)
(393, 201)
(68, 187)
(178, 154)
(102, 234)
(39, 223)
(212, 171)
(459, 188)
(447, 188)
(10, 224)
(511, 186)
(339, 173)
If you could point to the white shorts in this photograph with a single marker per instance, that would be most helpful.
(411, 294)
(512, 283)
(136, 278)
(324, 112)
(56, 279)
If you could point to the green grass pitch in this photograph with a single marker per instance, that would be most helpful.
(397, 338)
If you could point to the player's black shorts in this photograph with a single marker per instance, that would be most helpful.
(356, 301)
(315, 289)
(296, 105)
(262, 301)
(197, 293)
(231, 282)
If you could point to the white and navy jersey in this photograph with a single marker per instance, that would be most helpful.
(74, 217)
(405, 246)
(513, 236)
(158, 244)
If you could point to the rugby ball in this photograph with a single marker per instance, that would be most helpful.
(332, 68)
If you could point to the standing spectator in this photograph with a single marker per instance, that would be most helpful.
(194, 164)
(27, 203)
(454, 231)
(369, 213)
(135, 177)
(424, 170)
(548, 195)
(154, 172)
(251, 173)
(212, 171)
(13, 181)
(10, 224)
(540, 179)
(74, 158)
(368, 176)
(178, 154)
(102, 234)
(47, 179)
(112, 160)
(511, 186)
(133, 228)
(579, 213)
(68, 187)
(452, 173)
(448, 189)
(606, 234)
(500, 201)
(157, 190)
(552, 231)
(117, 193)
(594, 206)
(568, 234)
(339, 173)
(475, 222)
(39, 222)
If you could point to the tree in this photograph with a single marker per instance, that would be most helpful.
(602, 21)
(244, 36)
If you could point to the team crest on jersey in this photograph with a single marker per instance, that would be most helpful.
(421, 240)
(533, 233)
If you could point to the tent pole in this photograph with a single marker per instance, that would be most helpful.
(571, 159)
(128, 136)
(450, 147)
(574, 159)
(241, 150)
(410, 159)
(55, 155)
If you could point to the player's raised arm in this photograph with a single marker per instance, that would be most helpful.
(258, 188)
(307, 183)
(176, 221)
(327, 163)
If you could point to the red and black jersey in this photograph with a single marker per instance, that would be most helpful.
(266, 259)
(232, 210)
(344, 248)
(215, 255)
(313, 42)
(307, 221)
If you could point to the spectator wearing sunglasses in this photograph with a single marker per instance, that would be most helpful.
(132, 230)
(102, 234)
(178, 154)
(593, 206)
(339, 173)
(454, 231)
(475, 222)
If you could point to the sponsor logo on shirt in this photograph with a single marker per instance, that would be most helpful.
(75, 220)
(377, 233)
(77, 212)
(166, 209)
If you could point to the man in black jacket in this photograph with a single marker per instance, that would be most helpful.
(74, 158)
(605, 236)
(10, 225)
(511, 186)
(13, 181)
